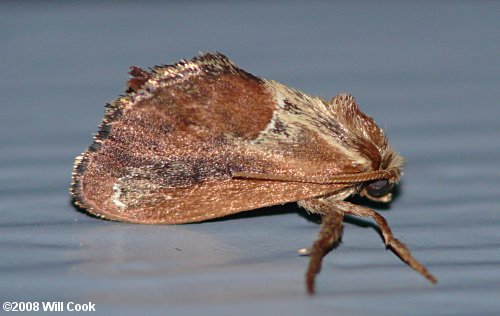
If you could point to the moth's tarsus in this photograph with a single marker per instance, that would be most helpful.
(329, 236)
(405, 255)
(396, 246)
(305, 252)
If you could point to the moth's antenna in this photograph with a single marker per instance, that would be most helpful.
(341, 178)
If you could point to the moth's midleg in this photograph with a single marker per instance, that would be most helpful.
(328, 237)
(390, 241)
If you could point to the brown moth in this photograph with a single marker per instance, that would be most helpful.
(203, 139)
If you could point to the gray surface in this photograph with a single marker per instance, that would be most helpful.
(427, 72)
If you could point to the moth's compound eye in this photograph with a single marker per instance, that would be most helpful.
(379, 188)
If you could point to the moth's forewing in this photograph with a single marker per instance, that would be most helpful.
(165, 153)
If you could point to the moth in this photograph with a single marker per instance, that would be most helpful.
(202, 139)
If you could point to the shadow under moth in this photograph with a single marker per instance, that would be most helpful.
(203, 139)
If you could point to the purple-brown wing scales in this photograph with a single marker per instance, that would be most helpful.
(165, 152)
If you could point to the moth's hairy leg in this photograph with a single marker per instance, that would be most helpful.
(329, 236)
(390, 241)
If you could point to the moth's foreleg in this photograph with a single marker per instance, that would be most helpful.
(390, 241)
(329, 236)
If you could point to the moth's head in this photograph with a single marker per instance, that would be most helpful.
(366, 143)
(378, 190)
